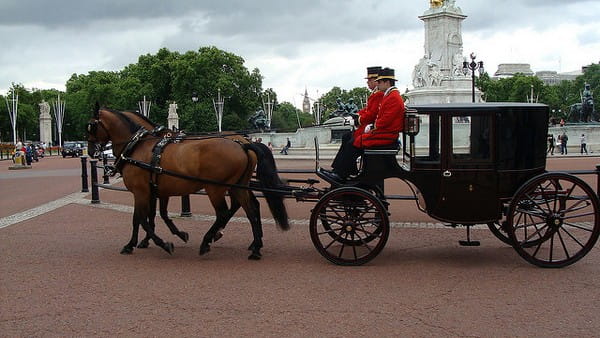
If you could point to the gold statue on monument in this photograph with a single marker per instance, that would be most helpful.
(436, 3)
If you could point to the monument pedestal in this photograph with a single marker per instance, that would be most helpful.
(439, 77)
(451, 91)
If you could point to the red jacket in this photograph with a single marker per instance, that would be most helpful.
(388, 124)
(369, 113)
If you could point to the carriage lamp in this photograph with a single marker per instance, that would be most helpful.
(412, 124)
(472, 66)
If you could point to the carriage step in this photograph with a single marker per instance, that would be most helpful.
(469, 242)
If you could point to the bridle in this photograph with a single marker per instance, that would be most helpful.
(92, 129)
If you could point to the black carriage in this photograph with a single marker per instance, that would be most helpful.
(467, 164)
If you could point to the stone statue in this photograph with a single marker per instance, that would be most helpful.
(44, 108)
(351, 107)
(587, 104)
(435, 75)
(421, 73)
(258, 120)
(173, 108)
(457, 64)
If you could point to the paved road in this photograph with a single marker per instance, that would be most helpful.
(61, 274)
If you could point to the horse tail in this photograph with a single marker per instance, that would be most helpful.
(266, 172)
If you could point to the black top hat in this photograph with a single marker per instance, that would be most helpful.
(373, 72)
(386, 73)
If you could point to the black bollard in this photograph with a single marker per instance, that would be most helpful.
(94, 174)
(185, 206)
(104, 164)
(84, 176)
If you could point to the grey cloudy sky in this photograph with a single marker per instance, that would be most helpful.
(302, 44)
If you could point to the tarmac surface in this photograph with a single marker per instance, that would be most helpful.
(61, 273)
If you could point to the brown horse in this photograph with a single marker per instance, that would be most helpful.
(214, 164)
(160, 131)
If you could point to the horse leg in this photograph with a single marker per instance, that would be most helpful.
(164, 214)
(128, 248)
(235, 206)
(217, 199)
(140, 215)
(252, 208)
(151, 216)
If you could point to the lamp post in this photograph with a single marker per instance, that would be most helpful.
(473, 66)
(268, 108)
(144, 107)
(13, 109)
(59, 115)
(218, 105)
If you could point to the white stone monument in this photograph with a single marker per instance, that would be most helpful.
(173, 117)
(45, 123)
(438, 77)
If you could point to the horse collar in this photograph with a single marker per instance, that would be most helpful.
(122, 158)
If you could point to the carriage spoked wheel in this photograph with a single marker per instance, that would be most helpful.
(357, 241)
(498, 231)
(553, 220)
(349, 226)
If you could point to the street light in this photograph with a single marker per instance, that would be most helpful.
(145, 107)
(268, 108)
(218, 105)
(59, 115)
(13, 110)
(473, 66)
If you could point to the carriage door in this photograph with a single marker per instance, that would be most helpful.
(469, 181)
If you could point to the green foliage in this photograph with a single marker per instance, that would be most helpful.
(558, 97)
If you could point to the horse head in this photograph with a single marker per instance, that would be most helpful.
(108, 125)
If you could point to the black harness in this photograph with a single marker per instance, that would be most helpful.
(154, 166)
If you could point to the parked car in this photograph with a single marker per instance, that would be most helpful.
(108, 152)
(73, 148)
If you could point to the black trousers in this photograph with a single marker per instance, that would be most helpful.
(344, 163)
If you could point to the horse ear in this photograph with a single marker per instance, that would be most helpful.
(97, 110)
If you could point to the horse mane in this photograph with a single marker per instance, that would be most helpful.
(133, 127)
(143, 118)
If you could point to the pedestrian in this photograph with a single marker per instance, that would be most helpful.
(583, 144)
(563, 141)
(551, 142)
(287, 146)
(29, 154)
(270, 146)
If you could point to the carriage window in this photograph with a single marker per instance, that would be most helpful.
(427, 141)
(471, 137)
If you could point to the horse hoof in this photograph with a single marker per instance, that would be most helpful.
(143, 245)
(184, 236)
(254, 257)
(126, 250)
(169, 247)
(204, 249)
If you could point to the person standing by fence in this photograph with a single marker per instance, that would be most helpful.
(583, 144)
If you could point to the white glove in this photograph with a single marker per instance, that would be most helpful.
(368, 128)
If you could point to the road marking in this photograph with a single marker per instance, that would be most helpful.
(40, 210)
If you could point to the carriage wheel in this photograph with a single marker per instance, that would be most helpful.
(349, 226)
(498, 231)
(376, 191)
(552, 220)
